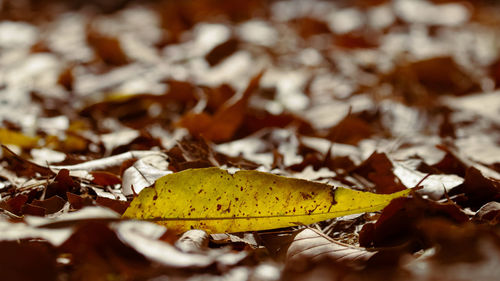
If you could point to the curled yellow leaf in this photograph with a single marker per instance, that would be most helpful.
(217, 201)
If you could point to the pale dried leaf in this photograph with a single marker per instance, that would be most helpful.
(434, 185)
(310, 244)
(144, 173)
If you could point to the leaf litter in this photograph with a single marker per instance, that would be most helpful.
(99, 100)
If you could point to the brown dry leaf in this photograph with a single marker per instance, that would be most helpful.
(221, 51)
(28, 260)
(227, 119)
(378, 169)
(22, 166)
(217, 96)
(61, 185)
(357, 40)
(132, 110)
(96, 252)
(15, 204)
(66, 78)
(108, 48)
(447, 235)
(51, 205)
(30, 209)
(418, 81)
(462, 252)
(113, 204)
(478, 189)
(77, 201)
(442, 74)
(308, 27)
(104, 178)
(350, 130)
(398, 223)
(200, 153)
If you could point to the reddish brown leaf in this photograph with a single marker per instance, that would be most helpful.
(378, 169)
(256, 120)
(27, 261)
(66, 79)
(451, 165)
(23, 166)
(224, 123)
(478, 189)
(418, 81)
(181, 91)
(115, 205)
(15, 204)
(216, 97)
(457, 243)
(107, 48)
(96, 251)
(51, 205)
(222, 51)
(308, 27)
(350, 130)
(399, 221)
(199, 153)
(357, 40)
(61, 184)
(33, 210)
(104, 178)
(78, 202)
(143, 142)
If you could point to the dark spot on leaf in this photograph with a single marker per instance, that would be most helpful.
(332, 193)
(305, 196)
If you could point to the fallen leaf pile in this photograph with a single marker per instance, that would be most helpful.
(249, 140)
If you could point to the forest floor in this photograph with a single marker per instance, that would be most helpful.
(99, 99)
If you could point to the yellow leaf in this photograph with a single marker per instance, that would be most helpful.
(216, 201)
(10, 137)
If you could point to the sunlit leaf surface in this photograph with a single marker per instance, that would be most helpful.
(216, 201)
